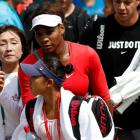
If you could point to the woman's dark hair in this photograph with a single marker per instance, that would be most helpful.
(50, 8)
(47, 7)
(54, 64)
(21, 36)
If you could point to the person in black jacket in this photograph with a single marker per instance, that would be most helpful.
(76, 19)
(116, 40)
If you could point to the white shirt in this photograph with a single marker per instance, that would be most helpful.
(52, 127)
(9, 99)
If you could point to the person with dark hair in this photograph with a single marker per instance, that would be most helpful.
(116, 40)
(75, 20)
(26, 19)
(12, 46)
(93, 7)
(84, 65)
(108, 8)
(112, 38)
(51, 118)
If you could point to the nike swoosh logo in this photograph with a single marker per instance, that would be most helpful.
(68, 76)
(123, 52)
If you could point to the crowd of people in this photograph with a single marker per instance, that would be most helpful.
(53, 51)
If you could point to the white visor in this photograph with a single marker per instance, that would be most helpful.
(46, 20)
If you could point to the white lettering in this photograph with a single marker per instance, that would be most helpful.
(100, 37)
(123, 44)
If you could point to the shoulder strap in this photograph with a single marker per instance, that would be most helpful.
(36, 55)
(74, 115)
(29, 110)
(19, 91)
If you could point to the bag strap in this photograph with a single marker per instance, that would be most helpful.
(74, 115)
(36, 55)
(29, 110)
(19, 91)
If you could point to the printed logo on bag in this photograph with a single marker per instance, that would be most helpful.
(103, 119)
(74, 111)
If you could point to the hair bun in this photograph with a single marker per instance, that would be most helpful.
(68, 68)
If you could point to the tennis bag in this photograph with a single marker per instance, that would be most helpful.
(98, 107)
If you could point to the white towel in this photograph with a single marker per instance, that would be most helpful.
(127, 88)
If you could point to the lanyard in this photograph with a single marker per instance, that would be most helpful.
(36, 55)
(58, 119)
(3, 115)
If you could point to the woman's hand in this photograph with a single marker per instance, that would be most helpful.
(1, 80)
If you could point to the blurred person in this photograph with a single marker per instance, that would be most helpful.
(93, 7)
(26, 19)
(116, 40)
(108, 8)
(21, 7)
(90, 2)
(49, 30)
(8, 13)
(75, 20)
(12, 47)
